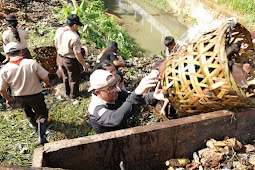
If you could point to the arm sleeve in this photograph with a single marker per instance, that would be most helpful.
(148, 99)
(76, 45)
(3, 83)
(112, 118)
(40, 71)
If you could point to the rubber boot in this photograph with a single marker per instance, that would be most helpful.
(172, 113)
(41, 133)
(32, 124)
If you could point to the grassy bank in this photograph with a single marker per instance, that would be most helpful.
(245, 8)
(18, 141)
(161, 4)
(68, 119)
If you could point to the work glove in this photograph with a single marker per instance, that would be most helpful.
(148, 81)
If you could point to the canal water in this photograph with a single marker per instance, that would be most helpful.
(146, 24)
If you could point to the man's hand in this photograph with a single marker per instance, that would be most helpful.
(10, 102)
(85, 67)
(148, 81)
(48, 86)
(158, 94)
(80, 58)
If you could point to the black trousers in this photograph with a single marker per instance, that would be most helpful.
(33, 106)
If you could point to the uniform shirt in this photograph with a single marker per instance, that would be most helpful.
(23, 78)
(67, 42)
(8, 37)
(107, 117)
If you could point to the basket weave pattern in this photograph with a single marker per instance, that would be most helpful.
(46, 56)
(197, 79)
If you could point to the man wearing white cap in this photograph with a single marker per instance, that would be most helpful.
(22, 76)
(111, 106)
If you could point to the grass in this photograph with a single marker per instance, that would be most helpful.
(18, 141)
(246, 8)
(68, 120)
(161, 4)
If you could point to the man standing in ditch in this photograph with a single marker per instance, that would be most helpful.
(173, 46)
(22, 76)
(68, 44)
(111, 106)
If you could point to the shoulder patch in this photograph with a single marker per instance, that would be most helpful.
(101, 111)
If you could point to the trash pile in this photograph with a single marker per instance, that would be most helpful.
(224, 155)
(141, 66)
(37, 12)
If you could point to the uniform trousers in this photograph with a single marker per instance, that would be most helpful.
(33, 106)
(71, 75)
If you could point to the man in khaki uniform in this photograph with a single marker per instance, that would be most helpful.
(22, 75)
(68, 44)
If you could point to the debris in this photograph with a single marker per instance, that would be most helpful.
(249, 148)
(225, 155)
(180, 162)
(209, 158)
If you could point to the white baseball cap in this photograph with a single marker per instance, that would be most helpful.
(98, 79)
(12, 46)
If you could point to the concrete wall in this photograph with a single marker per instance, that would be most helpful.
(146, 147)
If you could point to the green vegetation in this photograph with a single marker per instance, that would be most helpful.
(246, 8)
(161, 4)
(99, 29)
(69, 120)
(18, 141)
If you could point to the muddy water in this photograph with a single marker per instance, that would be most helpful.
(145, 24)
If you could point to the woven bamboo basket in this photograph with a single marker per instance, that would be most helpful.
(198, 79)
(46, 56)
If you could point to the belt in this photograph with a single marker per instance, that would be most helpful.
(28, 95)
(66, 57)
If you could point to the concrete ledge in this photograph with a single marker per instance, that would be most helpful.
(146, 147)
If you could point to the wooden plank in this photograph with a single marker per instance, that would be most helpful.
(147, 147)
